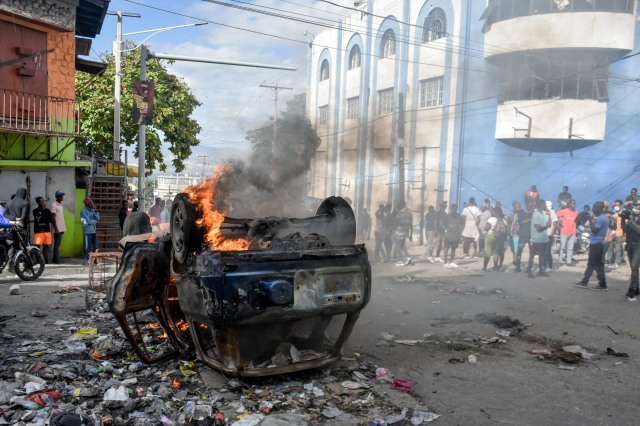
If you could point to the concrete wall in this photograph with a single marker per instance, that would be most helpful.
(601, 30)
(59, 13)
(551, 119)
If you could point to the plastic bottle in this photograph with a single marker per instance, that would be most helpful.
(91, 369)
(29, 405)
(24, 377)
(68, 375)
(188, 409)
(135, 367)
(472, 359)
(108, 367)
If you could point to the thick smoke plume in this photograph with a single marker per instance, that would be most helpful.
(273, 180)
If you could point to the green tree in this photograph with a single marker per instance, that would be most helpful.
(296, 105)
(173, 106)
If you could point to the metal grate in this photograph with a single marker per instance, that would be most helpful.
(102, 267)
(107, 194)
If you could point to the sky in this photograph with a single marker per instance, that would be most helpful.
(233, 101)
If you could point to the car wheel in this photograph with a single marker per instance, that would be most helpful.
(184, 234)
(341, 231)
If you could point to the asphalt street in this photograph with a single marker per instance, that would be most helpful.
(449, 311)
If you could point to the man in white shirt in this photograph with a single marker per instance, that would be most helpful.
(548, 259)
(470, 233)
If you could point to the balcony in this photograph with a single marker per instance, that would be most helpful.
(519, 25)
(39, 115)
(560, 126)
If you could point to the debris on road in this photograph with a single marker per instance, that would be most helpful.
(541, 352)
(575, 349)
(618, 354)
(403, 385)
(14, 290)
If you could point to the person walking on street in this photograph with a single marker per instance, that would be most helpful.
(540, 222)
(89, 217)
(485, 215)
(366, 226)
(404, 230)
(59, 227)
(599, 227)
(614, 253)
(564, 197)
(389, 229)
(628, 202)
(378, 233)
(532, 195)
(567, 222)
(524, 219)
(439, 229)
(165, 216)
(42, 219)
(548, 259)
(428, 233)
(454, 225)
(122, 214)
(18, 207)
(514, 228)
(496, 229)
(631, 224)
(471, 233)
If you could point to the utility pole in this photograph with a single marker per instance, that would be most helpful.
(401, 144)
(117, 53)
(275, 109)
(142, 149)
(203, 157)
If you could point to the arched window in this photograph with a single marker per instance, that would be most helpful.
(354, 58)
(435, 26)
(388, 46)
(324, 71)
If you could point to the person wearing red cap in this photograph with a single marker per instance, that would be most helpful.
(89, 217)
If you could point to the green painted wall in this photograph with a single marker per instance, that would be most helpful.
(35, 147)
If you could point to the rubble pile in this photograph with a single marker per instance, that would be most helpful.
(85, 373)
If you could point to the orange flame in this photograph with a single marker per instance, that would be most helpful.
(176, 384)
(182, 325)
(202, 197)
(164, 336)
(154, 326)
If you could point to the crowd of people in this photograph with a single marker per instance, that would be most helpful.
(541, 228)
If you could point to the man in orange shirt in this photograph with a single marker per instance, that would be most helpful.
(567, 225)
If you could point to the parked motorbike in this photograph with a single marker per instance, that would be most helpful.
(27, 261)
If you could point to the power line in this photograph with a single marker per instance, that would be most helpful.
(298, 41)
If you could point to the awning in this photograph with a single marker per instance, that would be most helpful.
(490, 8)
(111, 169)
(91, 67)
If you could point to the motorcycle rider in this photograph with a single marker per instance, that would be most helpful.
(631, 227)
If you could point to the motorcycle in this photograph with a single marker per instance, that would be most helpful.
(27, 261)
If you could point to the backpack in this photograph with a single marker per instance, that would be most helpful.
(500, 229)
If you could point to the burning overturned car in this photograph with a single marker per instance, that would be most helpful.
(252, 297)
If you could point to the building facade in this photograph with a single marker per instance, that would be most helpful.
(169, 185)
(485, 99)
(40, 45)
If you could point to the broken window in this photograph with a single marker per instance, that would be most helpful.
(558, 76)
(431, 92)
(352, 108)
(385, 101)
(323, 113)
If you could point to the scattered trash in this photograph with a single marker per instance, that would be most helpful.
(618, 354)
(409, 342)
(86, 333)
(472, 359)
(614, 332)
(566, 367)
(403, 279)
(67, 289)
(575, 349)
(56, 307)
(14, 290)
(541, 352)
(503, 333)
(456, 360)
(423, 417)
(119, 394)
(403, 385)
(38, 314)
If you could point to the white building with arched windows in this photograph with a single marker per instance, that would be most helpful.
(498, 95)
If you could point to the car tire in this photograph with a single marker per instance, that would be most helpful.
(185, 236)
(341, 231)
